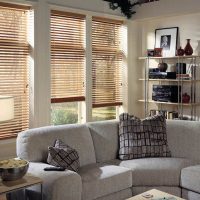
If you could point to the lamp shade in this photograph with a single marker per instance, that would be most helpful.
(6, 108)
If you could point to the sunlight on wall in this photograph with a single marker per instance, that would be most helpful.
(150, 40)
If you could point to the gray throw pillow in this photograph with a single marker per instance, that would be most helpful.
(142, 138)
(62, 155)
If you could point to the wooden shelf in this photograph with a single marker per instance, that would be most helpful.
(170, 103)
(169, 80)
(173, 57)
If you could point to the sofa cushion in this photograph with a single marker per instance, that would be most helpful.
(101, 179)
(62, 155)
(55, 183)
(33, 144)
(184, 138)
(105, 138)
(155, 171)
(190, 195)
(142, 138)
(190, 178)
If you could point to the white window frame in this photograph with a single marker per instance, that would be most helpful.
(40, 79)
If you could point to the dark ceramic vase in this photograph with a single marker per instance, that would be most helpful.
(162, 67)
(188, 48)
(186, 98)
(180, 52)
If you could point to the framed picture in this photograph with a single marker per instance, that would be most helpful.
(158, 52)
(150, 52)
(166, 38)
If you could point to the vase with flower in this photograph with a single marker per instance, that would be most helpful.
(188, 48)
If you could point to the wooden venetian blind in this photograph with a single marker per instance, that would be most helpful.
(67, 57)
(107, 61)
(14, 55)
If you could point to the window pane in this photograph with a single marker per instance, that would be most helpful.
(67, 57)
(104, 113)
(67, 66)
(64, 113)
(107, 62)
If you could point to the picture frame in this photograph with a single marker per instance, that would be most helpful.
(158, 52)
(150, 52)
(166, 38)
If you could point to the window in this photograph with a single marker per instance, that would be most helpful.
(107, 65)
(67, 66)
(14, 62)
(64, 113)
(104, 113)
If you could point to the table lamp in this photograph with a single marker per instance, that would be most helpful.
(6, 108)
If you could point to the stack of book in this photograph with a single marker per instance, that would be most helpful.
(183, 76)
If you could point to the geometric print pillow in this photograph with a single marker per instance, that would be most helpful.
(142, 138)
(62, 155)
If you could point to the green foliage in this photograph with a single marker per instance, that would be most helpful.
(106, 113)
(67, 113)
(126, 6)
(61, 116)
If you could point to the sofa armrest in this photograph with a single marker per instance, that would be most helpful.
(57, 185)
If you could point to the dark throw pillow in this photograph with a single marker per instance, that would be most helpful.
(142, 138)
(62, 155)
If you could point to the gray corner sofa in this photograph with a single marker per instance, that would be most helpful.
(102, 176)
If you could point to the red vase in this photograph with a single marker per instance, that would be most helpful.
(185, 98)
(188, 48)
(180, 52)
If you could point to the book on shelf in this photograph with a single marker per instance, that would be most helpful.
(183, 76)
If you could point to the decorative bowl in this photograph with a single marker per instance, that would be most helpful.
(162, 67)
(13, 169)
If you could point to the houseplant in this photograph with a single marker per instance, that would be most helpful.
(126, 6)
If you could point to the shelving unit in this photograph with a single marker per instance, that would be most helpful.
(191, 83)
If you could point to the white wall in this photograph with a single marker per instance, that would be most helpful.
(164, 8)
(88, 5)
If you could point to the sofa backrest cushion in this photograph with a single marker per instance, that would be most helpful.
(184, 138)
(105, 138)
(33, 144)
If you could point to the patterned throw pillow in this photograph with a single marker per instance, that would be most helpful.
(142, 138)
(62, 155)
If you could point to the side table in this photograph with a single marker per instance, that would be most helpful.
(28, 180)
